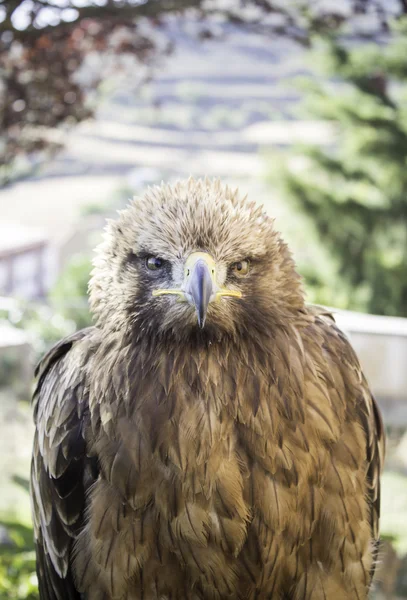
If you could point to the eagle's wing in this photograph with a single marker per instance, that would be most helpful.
(364, 406)
(60, 470)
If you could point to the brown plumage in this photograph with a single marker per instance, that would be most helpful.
(215, 439)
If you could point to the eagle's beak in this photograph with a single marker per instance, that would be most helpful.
(200, 285)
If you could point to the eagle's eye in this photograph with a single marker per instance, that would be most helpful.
(240, 268)
(154, 263)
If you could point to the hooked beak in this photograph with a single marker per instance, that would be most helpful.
(200, 286)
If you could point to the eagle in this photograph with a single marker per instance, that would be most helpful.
(211, 436)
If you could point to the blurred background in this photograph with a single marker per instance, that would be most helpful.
(301, 104)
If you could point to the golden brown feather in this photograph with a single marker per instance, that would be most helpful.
(241, 460)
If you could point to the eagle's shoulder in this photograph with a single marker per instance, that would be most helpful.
(61, 471)
(59, 350)
(336, 350)
(343, 375)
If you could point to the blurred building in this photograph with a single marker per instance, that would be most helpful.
(26, 261)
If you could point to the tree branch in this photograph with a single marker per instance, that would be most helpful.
(150, 9)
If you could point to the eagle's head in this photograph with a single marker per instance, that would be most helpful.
(193, 260)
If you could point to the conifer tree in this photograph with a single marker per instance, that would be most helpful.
(355, 189)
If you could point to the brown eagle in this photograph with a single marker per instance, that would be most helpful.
(211, 437)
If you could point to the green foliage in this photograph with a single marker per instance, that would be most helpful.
(10, 368)
(18, 580)
(42, 324)
(355, 190)
(69, 296)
